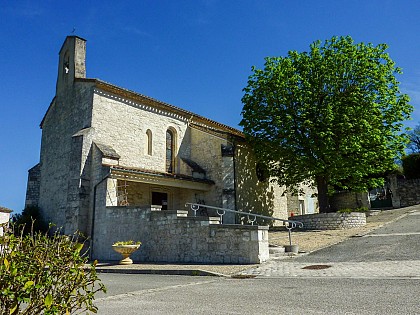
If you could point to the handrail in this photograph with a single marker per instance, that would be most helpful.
(290, 224)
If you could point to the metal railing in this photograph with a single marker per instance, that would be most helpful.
(289, 224)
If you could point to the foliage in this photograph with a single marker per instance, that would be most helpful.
(414, 144)
(131, 242)
(45, 275)
(330, 117)
(411, 165)
(30, 220)
(361, 209)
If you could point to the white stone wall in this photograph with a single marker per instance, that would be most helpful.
(253, 195)
(4, 219)
(60, 172)
(171, 236)
(122, 124)
(331, 221)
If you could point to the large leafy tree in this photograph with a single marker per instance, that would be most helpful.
(331, 116)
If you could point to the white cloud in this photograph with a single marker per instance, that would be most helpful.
(136, 31)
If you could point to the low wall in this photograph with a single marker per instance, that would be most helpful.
(331, 221)
(171, 236)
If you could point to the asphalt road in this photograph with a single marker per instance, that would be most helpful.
(397, 241)
(154, 294)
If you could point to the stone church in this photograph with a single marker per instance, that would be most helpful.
(104, 148)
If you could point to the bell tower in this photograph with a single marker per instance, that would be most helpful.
(72, 62)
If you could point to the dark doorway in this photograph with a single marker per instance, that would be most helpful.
(160, 199)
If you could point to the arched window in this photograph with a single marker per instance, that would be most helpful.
(170, 151)
(149, 142)
(66, 66)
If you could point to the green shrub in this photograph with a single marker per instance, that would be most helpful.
(361, 209)
(45, 275)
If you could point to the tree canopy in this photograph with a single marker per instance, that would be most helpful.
(330, 117)
(414, 144)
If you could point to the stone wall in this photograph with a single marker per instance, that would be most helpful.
(408, 192)
(331, 221)
(171, 236)
(263, 197)
(349, 200)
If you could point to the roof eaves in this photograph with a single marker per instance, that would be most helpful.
(152, 101)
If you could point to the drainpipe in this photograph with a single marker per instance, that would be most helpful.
(94, 212)
(234, 175)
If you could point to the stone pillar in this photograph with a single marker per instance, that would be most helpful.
(393, 186)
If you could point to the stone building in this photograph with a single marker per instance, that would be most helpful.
(104, 146)
(4, 219)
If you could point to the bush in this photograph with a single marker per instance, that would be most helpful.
(45, 275)
(411, 165)
(361, 209)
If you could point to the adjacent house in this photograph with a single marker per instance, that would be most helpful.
(4, 219)
(105, 148)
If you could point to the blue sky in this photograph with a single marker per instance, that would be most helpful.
(192, 54)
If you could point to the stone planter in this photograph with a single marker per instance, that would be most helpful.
(331, 221)
(125, 251)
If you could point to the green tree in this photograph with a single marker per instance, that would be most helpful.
(414, 144)
(331, 117)
(411, 165)
(30, 220)
(45, 275)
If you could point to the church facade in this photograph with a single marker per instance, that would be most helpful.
(104, 146)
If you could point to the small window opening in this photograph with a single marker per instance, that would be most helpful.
(149, 142)
(170, 149)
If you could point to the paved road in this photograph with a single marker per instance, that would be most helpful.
(375, 274)
(153, 294)
(392, 251)
(397, 241)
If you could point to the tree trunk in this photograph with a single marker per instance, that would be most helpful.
(322, 185)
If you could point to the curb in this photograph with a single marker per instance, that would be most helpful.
(168, 272)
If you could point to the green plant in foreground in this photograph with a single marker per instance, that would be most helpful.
(361, 209)
(46, 275)
(131, 242)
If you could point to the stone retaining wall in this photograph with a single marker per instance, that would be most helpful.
(171, 236)
(331, 221)
(349, 200)
(408, 192)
